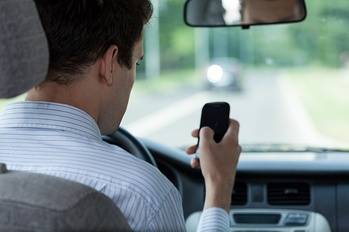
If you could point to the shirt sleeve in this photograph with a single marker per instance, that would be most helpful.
(214, 219)
(170, 217)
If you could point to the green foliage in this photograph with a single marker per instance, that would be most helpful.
(176, 39)
(322, 39)
(324, 36)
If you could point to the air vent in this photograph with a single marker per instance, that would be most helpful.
(288, 194)
(239, 196)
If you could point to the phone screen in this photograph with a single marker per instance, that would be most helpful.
(216, 116)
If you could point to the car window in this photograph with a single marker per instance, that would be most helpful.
(286, 84)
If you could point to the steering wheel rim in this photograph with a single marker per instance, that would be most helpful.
(131, 144)
(134, 146)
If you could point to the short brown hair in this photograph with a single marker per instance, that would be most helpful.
(80, 31)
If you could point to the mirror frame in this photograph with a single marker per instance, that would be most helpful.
(246, 26)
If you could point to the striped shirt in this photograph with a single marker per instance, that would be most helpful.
(64, 141)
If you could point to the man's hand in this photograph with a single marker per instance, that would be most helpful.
(218, 163)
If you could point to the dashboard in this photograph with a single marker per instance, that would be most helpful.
(270, 188)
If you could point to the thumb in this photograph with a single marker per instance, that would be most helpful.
(206, 135)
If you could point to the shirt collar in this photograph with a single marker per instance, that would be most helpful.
(47, 115)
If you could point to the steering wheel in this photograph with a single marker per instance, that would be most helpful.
(131, 144)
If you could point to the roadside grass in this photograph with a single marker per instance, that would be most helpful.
(167, 81)
(325, 94)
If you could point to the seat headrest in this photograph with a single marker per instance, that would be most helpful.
(24, 54)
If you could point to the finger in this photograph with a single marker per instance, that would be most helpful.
(191, 150)
(206, 135)
(195, 163)
(239, 150)
(232, 134)
(195, 133)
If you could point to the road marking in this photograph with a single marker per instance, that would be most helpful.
(166, 116)
(302, 118)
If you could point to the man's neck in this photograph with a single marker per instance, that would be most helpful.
(65, 94)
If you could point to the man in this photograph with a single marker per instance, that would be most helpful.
(94, 48)
(271, 11)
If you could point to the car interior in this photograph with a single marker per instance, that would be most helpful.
(30, 201)
(286, 186)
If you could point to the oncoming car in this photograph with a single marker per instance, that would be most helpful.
(223, 73)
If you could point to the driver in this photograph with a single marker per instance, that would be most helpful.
(270, 11)
(94, 47)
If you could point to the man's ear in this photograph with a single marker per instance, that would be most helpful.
(107, 67)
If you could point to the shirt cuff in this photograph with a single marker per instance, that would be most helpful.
(214, 219)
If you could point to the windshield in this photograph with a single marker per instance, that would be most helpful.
(286, 84)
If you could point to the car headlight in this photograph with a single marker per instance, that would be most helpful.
(215, 73)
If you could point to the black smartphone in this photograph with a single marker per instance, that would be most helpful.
(216, 116)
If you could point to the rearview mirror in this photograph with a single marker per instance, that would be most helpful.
(244, 13)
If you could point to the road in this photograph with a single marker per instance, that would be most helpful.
(268, 110)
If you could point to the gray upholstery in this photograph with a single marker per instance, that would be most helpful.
(24, 52)
(35, 202)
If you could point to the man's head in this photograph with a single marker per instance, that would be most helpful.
(94, 48)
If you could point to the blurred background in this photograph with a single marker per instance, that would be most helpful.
(286, 84)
